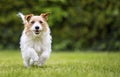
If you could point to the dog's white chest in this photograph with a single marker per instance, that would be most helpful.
(37, 46)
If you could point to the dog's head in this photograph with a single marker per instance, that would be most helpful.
(35, 24)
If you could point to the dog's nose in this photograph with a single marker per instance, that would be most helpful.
(37, 27)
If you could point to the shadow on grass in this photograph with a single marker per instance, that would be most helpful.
(44, 67)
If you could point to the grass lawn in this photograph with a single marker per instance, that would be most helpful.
(63, 64)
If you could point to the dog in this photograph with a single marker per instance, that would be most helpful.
(35, 41)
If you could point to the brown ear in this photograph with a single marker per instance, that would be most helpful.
(27, 17)
(45, 15)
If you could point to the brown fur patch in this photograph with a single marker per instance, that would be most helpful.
(39, 19)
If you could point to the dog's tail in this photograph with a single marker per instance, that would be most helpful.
(22, 17)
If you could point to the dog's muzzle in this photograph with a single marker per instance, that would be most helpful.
(37, 31)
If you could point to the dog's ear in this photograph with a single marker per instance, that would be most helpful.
(45, 15)
(27, 17)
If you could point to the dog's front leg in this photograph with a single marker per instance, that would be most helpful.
(25, 60)
(34, 56)
(43, 57)
(29, 54)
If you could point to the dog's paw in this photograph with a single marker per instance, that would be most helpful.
(27, 65)
(40, 64)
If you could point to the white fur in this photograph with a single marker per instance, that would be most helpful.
(22, 17)
(36, 23)
(35, 48)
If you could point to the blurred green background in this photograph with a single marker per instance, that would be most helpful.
(75, 24)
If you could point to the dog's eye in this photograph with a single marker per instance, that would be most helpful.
(32, 22)
(40, 22)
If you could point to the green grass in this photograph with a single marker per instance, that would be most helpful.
(63, 64)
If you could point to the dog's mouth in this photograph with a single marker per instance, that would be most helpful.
(37, 32)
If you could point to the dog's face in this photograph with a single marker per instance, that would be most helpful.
(36, 24)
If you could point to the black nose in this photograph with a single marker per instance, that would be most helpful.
(37, 27)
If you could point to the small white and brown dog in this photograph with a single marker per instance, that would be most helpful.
(35, 42)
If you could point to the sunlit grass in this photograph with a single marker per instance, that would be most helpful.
(63, 64)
